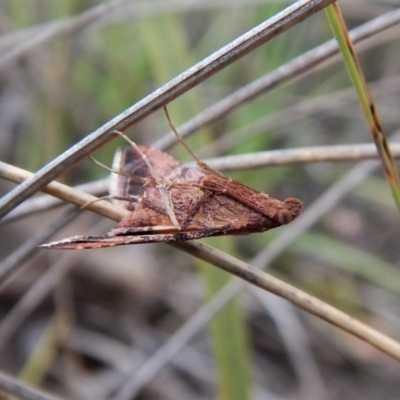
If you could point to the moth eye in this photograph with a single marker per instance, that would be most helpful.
(284, 217)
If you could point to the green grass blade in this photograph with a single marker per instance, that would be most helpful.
(367, 104)
(228, 336)
(168, 54)
(357, 262)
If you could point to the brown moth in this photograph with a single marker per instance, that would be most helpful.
(204, 203)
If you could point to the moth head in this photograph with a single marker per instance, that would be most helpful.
(291, 211)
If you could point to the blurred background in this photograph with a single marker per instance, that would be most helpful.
(94, 324)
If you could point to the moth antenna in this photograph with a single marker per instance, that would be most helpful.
(200, 163)
(179, 138)
(100, 164)
(117, 172)
(163, 192)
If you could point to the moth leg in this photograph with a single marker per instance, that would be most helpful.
(194, 210)
(149, 204)
(129, 199)
(186, 218)
(154, 206)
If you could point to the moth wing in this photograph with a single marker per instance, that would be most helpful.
(125, 236)
(133, 178)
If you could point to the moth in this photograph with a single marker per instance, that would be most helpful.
(169, 202)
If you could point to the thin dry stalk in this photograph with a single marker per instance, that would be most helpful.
(176, 87)
(258, 278)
